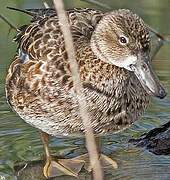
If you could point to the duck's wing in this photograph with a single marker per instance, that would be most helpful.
(45, 21)
(41, 56)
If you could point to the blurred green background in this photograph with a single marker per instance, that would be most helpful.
(20, 142)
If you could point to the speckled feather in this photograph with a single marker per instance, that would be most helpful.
(39, 86)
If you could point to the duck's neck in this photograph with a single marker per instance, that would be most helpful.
(103, 77)
(97, 73)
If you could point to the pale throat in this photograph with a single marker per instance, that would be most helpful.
(125, 62)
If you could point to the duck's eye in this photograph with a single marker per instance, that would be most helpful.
(123, 40)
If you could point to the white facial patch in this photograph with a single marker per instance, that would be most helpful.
(126, 62)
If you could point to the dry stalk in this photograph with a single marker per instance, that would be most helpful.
(90, 139)
(46, 5)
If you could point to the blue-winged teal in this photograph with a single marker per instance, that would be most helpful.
(112, 51)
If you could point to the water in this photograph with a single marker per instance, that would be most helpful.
(19, 142)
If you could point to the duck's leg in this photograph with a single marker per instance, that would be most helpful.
(105, 160)
(59, 167)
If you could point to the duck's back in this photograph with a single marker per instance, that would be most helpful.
(39, 86)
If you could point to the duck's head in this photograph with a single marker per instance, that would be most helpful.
(121, 38)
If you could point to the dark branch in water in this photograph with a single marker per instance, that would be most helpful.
(8, 22)
(156, 140)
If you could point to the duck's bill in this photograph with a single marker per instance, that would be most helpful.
(148, 79)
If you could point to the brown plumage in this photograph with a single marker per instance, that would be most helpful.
(108, 46)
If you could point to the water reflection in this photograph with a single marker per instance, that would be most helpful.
(20, 142)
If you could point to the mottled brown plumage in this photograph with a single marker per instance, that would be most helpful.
(39, 86)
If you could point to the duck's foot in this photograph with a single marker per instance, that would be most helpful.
(106, 162)
(70, 167)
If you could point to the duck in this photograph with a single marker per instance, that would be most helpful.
(113, 55)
